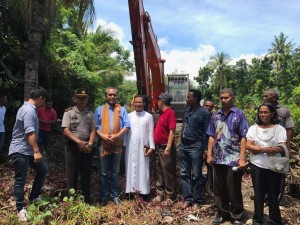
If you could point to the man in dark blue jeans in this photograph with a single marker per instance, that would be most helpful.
(24, 150)
(193, 142)
(112, 122)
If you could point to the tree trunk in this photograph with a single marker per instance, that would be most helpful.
(33, 51)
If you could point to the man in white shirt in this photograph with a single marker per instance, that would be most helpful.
(139, 146)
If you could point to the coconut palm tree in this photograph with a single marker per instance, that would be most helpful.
(219, 64)
(37, 14)
(280, 53)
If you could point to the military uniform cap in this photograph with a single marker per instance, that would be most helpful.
(81, 92)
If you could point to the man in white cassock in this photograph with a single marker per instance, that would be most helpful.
(139, 146)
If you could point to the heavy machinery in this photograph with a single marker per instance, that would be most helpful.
(178, 87)
(149, 64)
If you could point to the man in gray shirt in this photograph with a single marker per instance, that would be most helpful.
(284, 115)
(24, 150)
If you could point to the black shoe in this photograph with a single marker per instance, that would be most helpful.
(145, 197)
(237, 222)
(219, 220)
(130, 196)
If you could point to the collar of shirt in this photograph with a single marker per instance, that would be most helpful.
(140, 113)
(232, 109)
(164, 111)
(77, 110)
(29, 104)
(112, 107)
(278, 106)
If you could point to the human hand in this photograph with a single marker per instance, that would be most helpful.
(68, 109)
(82, 146)
(209, 159)
(113, 137)
(88, 148)
(37, 157)
(106, 137)
(242, 163)
(149, 152)
(269, 150)
(167, 152)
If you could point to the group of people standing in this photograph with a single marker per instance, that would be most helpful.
(223, 134)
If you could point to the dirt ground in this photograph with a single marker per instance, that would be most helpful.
(146, 212)
(164, 213)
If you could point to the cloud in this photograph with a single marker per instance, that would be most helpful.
(163, 41)
(247, 57)
(187, 61)
(117, 30)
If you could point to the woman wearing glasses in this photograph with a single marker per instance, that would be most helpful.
(262, 141)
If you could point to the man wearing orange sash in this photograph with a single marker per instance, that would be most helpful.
(112, 122)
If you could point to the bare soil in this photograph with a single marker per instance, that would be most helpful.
(134, 211)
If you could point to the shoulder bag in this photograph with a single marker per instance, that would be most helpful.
(280, 164)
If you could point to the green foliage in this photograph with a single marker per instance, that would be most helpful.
(93, 60)
(280, 68)
(71, 57)
(72, 210)
(295, 111)
(126, 91)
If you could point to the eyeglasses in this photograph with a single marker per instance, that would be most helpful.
(266, 113)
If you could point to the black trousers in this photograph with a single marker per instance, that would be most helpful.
(266, 182)
(227, 191)
(78, 163)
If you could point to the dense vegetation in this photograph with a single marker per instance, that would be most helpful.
(48, 43)
(278, 68)
(71, 57)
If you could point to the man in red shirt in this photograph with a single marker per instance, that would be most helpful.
(165, 150)
(47, 116)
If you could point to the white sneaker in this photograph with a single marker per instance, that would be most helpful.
(23, 215)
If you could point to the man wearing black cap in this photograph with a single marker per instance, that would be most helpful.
(165, 150)
(80, 130)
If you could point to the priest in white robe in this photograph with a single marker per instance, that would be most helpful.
(139, 146)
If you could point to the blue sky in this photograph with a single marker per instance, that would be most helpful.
(191, 31)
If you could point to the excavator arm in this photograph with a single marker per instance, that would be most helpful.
(148, 62)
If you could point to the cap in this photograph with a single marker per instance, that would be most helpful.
(81, 92)
(165, 97)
